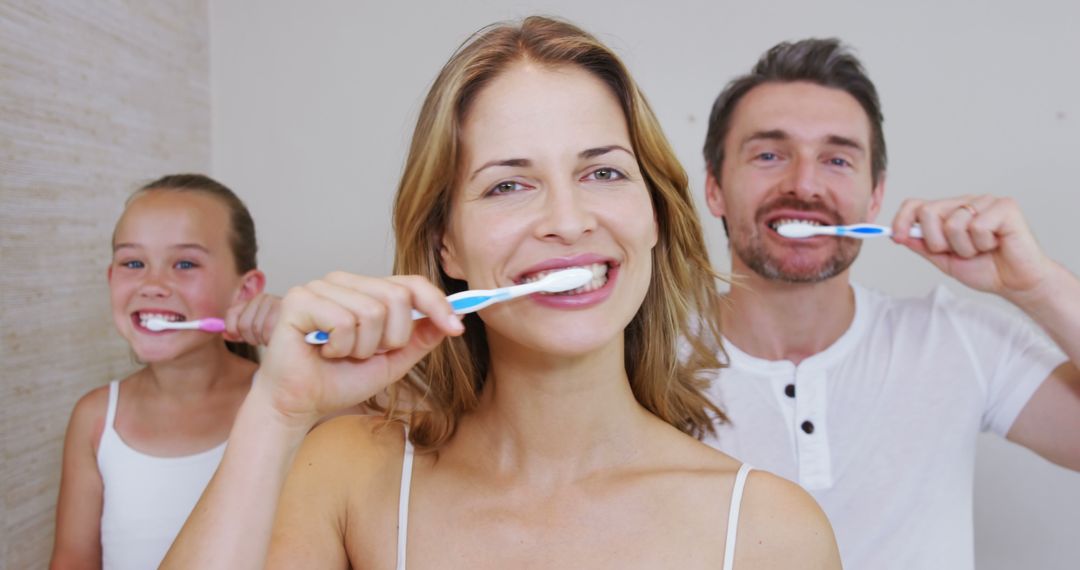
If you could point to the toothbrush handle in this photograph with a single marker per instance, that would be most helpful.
(915, 231)
(866, 231)
(317, 337)
(462, 303)
(212, 325)
(322, 337)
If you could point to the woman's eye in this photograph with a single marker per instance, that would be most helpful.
(132, 264)
(185, 265)
(506, 187)
(605, 174)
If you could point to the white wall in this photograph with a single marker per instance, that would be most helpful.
(313, 105)
(95, 99)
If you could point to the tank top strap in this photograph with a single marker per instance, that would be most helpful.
(403, 501)
(114, 398)
(733, 516)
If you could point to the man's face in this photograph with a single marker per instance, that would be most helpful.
(794, 151)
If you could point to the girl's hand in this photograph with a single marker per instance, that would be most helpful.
(373, 342)
(253, 321)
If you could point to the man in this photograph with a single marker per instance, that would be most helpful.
(874, 404)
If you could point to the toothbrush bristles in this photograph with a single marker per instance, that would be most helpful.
(156, 325)
(568, 279)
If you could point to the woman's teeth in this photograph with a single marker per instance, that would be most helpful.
(599, 278)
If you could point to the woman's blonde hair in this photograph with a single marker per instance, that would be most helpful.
(674, 336)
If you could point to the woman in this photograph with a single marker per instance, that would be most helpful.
(550, 431)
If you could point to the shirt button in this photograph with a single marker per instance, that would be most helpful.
(808, 426)
(790, 390)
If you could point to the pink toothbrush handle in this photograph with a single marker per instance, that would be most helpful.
(212, 325)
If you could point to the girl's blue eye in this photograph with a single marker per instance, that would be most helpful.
(132, 264)
(185, 265)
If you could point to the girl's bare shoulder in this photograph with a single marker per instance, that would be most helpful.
(87, 423)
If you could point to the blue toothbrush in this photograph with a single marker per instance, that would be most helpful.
(472, 301)
(861, 231)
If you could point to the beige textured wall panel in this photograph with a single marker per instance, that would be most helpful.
(95, 98)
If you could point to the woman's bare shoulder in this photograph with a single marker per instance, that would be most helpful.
(358, 444)
(782, 526)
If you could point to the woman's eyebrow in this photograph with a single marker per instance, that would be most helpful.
(513, 162)
(522, 162)
(602, 150)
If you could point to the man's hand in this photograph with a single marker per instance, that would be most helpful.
(981, 241)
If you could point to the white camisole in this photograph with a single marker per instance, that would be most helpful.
(146, 498)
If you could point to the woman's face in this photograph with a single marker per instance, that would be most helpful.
(548, 180)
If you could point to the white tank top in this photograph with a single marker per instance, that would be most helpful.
(406, 488)
(146, 498)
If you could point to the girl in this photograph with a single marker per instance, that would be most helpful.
(139, 452)
(552, 431)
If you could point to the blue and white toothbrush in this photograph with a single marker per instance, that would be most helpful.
(860, 231)
(474, 300)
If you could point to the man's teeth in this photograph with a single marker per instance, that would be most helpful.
(599, 278)
(786, 221)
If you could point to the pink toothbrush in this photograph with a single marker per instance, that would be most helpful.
(205, 325)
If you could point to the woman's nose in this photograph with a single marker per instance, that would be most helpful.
(567, 216)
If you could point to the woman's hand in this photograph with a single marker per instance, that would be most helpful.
(373, 342)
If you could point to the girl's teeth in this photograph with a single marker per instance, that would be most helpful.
(144, 317)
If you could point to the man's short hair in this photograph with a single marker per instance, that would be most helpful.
(825, 62)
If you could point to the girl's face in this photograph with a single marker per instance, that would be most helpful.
(549, 180)
(172, 259)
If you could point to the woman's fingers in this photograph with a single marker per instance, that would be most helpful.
(373, 340)
(304, 309)
(431, 301)
(382, 309)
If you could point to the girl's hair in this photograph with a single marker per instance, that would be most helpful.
(675, 335)
(241, 231)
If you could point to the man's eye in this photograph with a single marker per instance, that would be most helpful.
(839, 162)
(767, 156)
